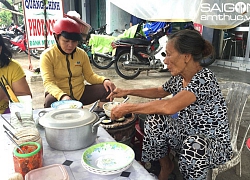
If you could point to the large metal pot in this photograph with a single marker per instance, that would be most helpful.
(70, 129)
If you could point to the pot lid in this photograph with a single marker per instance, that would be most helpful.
(67, 118)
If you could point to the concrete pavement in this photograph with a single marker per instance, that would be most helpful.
(153, 79)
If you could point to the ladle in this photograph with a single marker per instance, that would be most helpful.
(14, 142)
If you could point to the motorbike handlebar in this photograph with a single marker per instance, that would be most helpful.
(101, 29)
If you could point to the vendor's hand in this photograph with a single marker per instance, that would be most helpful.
(117, 93)
(118, 112)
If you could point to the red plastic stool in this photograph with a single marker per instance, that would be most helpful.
(138, 139)
(248, 144)
(139, 135)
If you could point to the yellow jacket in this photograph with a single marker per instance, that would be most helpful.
(66, 74)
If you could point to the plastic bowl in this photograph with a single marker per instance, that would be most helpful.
(108, 106)
(67, 104)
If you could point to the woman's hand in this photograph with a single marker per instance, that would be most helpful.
(65, 97)
(108, 85)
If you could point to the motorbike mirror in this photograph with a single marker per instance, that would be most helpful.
(163, 54)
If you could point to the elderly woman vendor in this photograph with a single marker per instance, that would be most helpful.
(200, 133)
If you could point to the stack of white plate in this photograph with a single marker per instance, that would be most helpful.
(108, 158)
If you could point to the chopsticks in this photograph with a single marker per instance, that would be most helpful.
(7, 89)
(14, 142)
(7, 121)
(10, 132)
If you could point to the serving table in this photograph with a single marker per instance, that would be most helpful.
(70, 159)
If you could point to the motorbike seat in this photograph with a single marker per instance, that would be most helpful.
(135, 41)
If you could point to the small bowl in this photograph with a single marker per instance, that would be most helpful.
(67, 104)
(108, 106)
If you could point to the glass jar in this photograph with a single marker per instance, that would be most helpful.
(28, 135)
(21, 113)
(31, 159)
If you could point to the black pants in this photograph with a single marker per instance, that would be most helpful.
(91, 94)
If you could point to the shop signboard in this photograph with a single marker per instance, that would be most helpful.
(35, 21)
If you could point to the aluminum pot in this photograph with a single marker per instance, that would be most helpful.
(70, 129)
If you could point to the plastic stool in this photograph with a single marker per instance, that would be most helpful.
(238, 37)
(139, 136)
(225, 40)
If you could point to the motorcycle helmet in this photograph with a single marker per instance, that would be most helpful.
(67, 28)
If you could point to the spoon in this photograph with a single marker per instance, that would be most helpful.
(18, 115)
(14, 142)
(125, 100)
(93, 106)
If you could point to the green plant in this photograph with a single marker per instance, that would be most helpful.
(5, 18)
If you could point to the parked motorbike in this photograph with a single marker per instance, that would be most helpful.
(11, 33)
(85, 44)
(134, 55)
(104, 60)
(19, 43)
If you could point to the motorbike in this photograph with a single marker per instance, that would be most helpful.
(85, 44)
(11, 33)
(19, 43)
(134, 55)
(96, 58)
(103, 60)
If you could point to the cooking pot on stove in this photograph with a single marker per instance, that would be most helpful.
(70, 129)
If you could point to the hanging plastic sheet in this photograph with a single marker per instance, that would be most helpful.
(217, 14)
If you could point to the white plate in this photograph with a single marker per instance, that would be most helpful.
(108, 158)
(67, 104)
(101, 172)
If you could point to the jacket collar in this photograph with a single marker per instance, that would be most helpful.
(59, 47)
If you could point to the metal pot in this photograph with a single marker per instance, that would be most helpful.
(70, 129)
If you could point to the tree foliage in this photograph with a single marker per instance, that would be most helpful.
(7, 17)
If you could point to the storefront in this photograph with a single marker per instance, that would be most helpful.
(234, 48)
